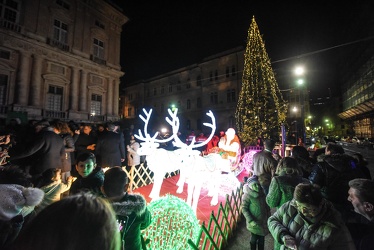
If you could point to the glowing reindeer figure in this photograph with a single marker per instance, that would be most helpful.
(199, 169)
(159, 160)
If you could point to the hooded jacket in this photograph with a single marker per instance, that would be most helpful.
(254, 208)
(325, 231)
(92, 183)
(132, 211)
(332, 173)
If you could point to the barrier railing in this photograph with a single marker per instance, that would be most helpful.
(219, 228)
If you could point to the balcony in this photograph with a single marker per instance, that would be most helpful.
(5, 24)
(58, 44)
(53, 114)
(97, 60)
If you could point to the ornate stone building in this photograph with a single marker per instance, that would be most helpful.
(60, 59)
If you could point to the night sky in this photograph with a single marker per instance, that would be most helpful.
(166, 35)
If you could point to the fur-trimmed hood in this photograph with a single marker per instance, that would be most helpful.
(131, 203)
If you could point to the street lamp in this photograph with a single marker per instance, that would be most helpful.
(299, 71)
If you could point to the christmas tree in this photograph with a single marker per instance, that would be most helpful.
(261, 109)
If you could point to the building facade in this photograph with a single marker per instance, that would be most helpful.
(212, 84)
(60, 59)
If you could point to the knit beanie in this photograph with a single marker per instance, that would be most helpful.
(14, 197)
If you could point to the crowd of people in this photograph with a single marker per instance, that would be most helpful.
(63, 186)
(320, 202)
(64, 179)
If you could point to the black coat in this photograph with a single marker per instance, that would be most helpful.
(92, 183)
(47, 151)
(110, 149)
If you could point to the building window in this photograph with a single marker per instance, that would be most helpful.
(233, 70)
(148, 93)
(99, 24)
(213, 98)
(3, 88)
(188, 104)
(96, 104)
(231, 95)
(188, 124)
(227, 71)
(9, 10)
(98, 48)
(188, 85)
(4, 54)
(179, 87)
(130, 97)
(129, 112)
(216, 75)
(54, 98)
(198, 102)
(198, 81)
(198, 124)
(63, 4)
(60, 32)
(154, 91)
(162, 89)
(211, 76)
(170, 88)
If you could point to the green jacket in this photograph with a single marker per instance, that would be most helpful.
(254, 208)
(281, 189)
(326, 231)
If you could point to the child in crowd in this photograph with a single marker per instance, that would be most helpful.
(131, 209)
(50, 183)
(90, 177)
(256, 212)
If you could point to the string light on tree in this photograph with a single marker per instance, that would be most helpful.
(261, 109)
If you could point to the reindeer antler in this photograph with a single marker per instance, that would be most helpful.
(179, 143)
(174, 123)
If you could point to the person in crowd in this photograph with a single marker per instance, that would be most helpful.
(133, 159)
(66, 134)
(212, 145)
(264, 164)
(101, 129)
(309, 221)
(363, 164)
(91, 176)
(86, 141)
(190, 137)
(230, 144)
(256, 212)
(13, 199)
(110, 148)
(46, 150)
(52, 186)
(200, 139)
(303, 159)
(361, 196)
(81, 221)
(287, 176)
(131, 209)
(332, 173)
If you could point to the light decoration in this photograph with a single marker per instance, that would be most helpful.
(173, 223)
(193, 167)
(261, 109)
(247, 160)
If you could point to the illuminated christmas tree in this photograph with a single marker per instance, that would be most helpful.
(261, 109)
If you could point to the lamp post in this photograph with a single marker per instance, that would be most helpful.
(299, 72)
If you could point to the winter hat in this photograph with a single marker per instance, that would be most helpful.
(14, 197)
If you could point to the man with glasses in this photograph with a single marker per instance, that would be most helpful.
(309, 221)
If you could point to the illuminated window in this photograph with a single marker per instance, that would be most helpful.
(54, 98)
(96, 104)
